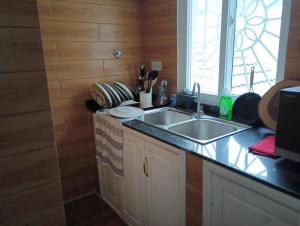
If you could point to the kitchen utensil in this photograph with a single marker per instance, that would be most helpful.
(126, 112)
(146, 81)
(245, 108)
(142, 78)
(153, 83)
(151, 76)
(142, 71)
(268, 105)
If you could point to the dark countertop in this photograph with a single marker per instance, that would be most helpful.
(232, 153)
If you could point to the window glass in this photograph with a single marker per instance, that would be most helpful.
(205, 44)
(257, 32)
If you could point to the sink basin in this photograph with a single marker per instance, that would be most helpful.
(206, 130)
(163, 117)
(203, 130)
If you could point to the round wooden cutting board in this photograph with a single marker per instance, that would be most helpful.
(268, 106)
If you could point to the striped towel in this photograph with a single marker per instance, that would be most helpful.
(109, 141)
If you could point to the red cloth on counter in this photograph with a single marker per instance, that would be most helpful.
(264, 147)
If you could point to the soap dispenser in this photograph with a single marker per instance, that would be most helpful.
(225, 104)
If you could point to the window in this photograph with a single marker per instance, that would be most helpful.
(220, 40)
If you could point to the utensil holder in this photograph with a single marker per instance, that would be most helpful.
(146, 99)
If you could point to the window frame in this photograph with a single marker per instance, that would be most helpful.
(226, 46)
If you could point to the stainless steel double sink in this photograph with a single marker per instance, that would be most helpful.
(202, 130)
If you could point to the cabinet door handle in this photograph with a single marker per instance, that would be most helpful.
(145, 165)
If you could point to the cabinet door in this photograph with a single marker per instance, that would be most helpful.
(110, 186)
(237, 201)
(165, 186)
(134, 180)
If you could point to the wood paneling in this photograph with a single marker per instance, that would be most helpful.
(130, 3)
(22, 45)
(293, 44)
(292, 69)
(96, 50)
(66, 31)
(160, 49)
(72, 130)
(154, 2)
(30, 189)
(33, 168)
(191, 220)
(45, 10)
(66, 106)
(64, 70)
(162, 31)
(54, 88)
(50, 53)
(76, 169)
(18, 13)
(160, 38)
(25, 132)
(23, 92)
(295, 15)
(91, 13)
(79, 37)
(78, 87)
(120, 33)
(120, 67)
(193, 190)
(165, 11)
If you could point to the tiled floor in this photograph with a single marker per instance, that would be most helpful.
(91, 211)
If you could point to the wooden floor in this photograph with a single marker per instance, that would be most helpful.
(91, 211)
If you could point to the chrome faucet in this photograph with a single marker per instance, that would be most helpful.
(199, 107)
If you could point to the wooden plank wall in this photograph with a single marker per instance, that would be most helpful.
(30, 187)
(194, 191)
(160, 37)
(292, 69)
(79, 37)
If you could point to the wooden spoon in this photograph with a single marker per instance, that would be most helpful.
(151, 76)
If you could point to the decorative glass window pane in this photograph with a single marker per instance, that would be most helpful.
(257, 33)
(205, 44)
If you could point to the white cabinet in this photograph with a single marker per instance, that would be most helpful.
(154, 182)
(133, 181)
(110, 186)
(163, 186)
(233, 200)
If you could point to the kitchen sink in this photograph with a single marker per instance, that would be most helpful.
(166, 116)
(202, 130)
(206, 129)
